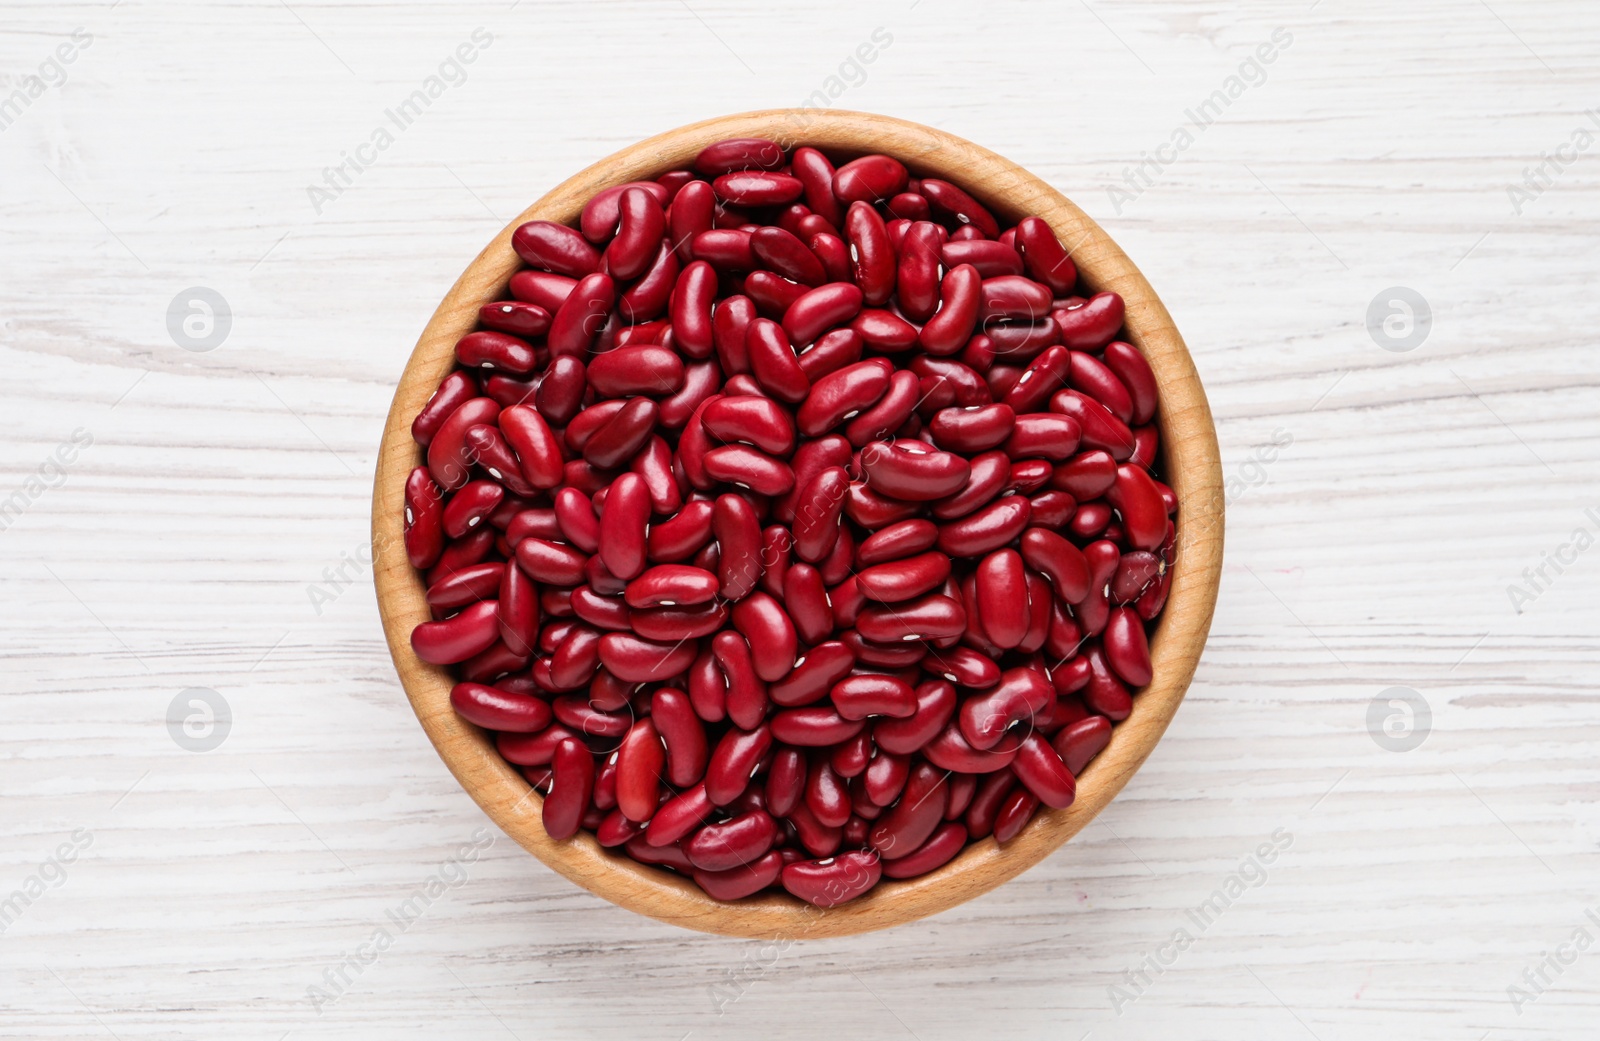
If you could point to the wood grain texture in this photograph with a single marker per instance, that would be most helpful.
(1189, 458)
(1372, 551)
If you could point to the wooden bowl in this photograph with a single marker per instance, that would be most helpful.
(1190, 462)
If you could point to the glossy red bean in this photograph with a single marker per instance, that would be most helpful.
(732, 843)
(672, 624)
(542, 288)
(929, 617)
(817, 514)
(739, 153)
(917, 276)
(1105, 692)
(424, 519)
(1136, 498)
(600, 215)
(449, 457)
(1132, 369)
(757, 188)
(1059, 561)
(650, 370)
(456, 389)
(834, 880)
(748, 468)
(1097, 426)
(622, 526)
(770, 633)
(746, 697)
(1020, 694)
(571, 788)
(727, 250)
(638, 660)
(734, 762)
(869, 179)
(1043, 773)
(946, 198)
(914, 817)
(773, 362)
(761, 422)
(667, 585)
(990, 259)
(821, 309)
(499, 351)
(1003, 597)
(679, 816)
(896, 542)
(536, 445)
(1091, 324)
(1014, 813)
(826, 795)
(1043, 436)
(475, 628)
(1080, 742)
(781, 252)
(555, 247)
(889, 414)
(974, 429)
(989, 528)
(640, 759)
(1126, 648)
(495, 709)
(913, 471)
(518, 610)
(1046, 260)
(814, 726)
(689, 215)
(560, 393)
(640, 228)
(578, 322)
(516, 317)
(940, 848)
(905, 579)
(873, 694)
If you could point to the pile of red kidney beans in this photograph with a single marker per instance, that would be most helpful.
(792, 525)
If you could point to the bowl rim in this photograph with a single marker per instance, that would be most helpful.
(1192, 468)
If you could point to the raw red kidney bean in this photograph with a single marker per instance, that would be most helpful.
(555, 247)
(495, 709)
(869, 179)
(1014, 813)
(600, 215)
(990, 259)
(542, 288)
(772, 457)
(1126, 649)
(571, 789)
(578, 322)
(679, 816)
(948, 198)
(1080, 742)
(833, 881)
(1020, 694)
(734, 762)
(1089, 325)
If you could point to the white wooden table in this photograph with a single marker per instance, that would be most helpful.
(211, 492)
